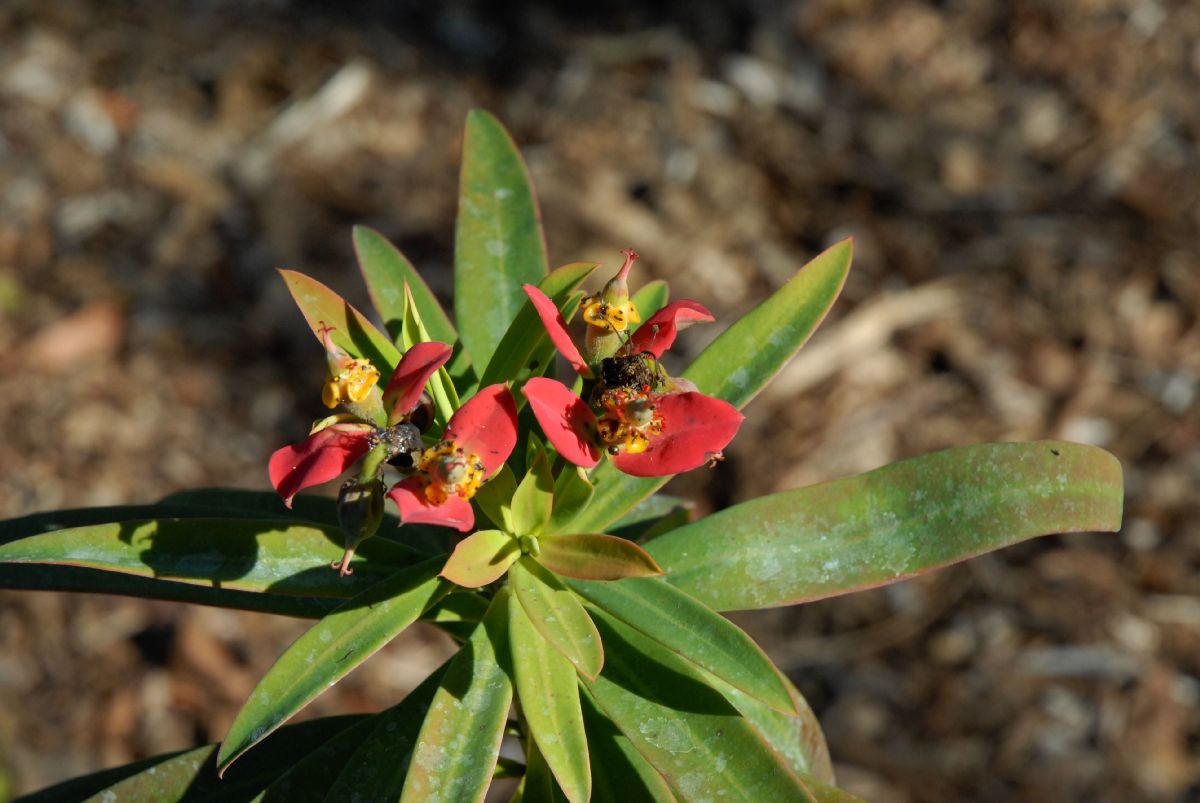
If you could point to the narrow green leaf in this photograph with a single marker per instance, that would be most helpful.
(534, 498)
(796, 737)
(441, 387)
(386, 270)
(481, 558)
(377, 769)
(495, 496)
(353, 332)
(330, 649)
(460, 739)
(759, 345)
(557, 615)
(891, 523)
(522, 351)
(683, 727)
(189, 776)
(649, 299)
(590, 556)
(539, 785)
(549, 696)
(238, 554)
(652, 517)
(619, 773)
(498, 243)
(694, 632)
(572, 493)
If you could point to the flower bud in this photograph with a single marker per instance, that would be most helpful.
(360, 512)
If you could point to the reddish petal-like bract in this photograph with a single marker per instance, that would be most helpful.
(658, 333)
(415, 508)
(486, 426)
(695, 429)
(556, 327)
(565, 418)
(408, 380)
(321, 457)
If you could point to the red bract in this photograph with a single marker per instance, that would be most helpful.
(648, 434)
(658, 333)
(320, 458)
(329, 451)
(478, 439)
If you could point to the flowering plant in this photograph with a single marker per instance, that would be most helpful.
(527, 526)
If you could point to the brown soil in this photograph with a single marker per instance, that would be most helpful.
(1022, 181)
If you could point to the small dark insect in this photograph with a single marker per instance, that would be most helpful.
(634, 371)
(403, 440)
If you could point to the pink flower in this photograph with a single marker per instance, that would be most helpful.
(336, 443)
(478, 439)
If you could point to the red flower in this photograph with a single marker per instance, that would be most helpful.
(478, 439)
(647, 434)
(331, 449)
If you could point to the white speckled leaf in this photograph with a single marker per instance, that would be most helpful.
(891, 523)
(460, 738)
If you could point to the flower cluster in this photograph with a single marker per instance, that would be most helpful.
(648, 422)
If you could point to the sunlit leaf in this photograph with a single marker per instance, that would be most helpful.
(683, 727)
(440, 386)
(891, 523)
(498, 244)
(352, 331)
(693, 631)
(549, 695)
(619, 773)
(534, 498)
(494, 498)
(481, 558)
(735, 367)
(557, 614)
(330, 649)
(589, 556)
(459, 741)
(572, 492)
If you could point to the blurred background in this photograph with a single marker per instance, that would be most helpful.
(1022, 181)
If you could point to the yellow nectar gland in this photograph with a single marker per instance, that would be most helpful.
(610, 317)
(628, 420)
(451, 471)
(351, 384)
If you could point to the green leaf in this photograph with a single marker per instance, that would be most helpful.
(495, 496)
(386, 270)
(189, 776)
(572, 493)
(441, 387)
(652, 517)
(460, 738)
(534, 497)
(330, 649)
(891, 523)
(649, 299)
(694, 632)
(558, 615)
(353, 332)
(238, 554)
(539, 785)
(796, 737)
(589, 556)
(377, 769)
(619, 773)
(759, 344)
(549, 696)
(683, 727)
(481, 558)
(523, 351)
(498, 243)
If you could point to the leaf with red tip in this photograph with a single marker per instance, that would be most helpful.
(595, 556)
(556, 327)
(408, 381)
(695, 429)
(415, 507)
(658, 333)
(319, 458)
(352, 331)
(481, 558)
(486, 425)
(565, 418)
